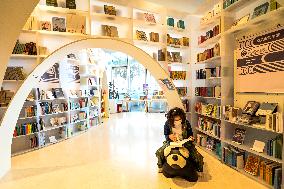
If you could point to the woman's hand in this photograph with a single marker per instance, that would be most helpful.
(191, 138)
(173, 137)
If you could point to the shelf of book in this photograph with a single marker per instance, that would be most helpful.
(210, 41)
(23, 56)
(145, 24)
(60, 10)
(208, 97)
(209, 152)
(247, 148)
(207, 133)
(208, 116)
(20, 136)
(63, 34)
(251, 126)
(236, 6)
(111, 18)
(255, 178)
(260, 20)
(149, 43)
(54, 114)
(53, 127)
(23, 118)
(208, 23)
(176, 29)
(211, 60)
(13, 81)
(178, 47)
(212, 78)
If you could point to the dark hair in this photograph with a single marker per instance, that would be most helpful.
(175, 112)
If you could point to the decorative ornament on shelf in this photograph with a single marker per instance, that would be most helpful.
(71, 4)
(110, 31)
(52, 3)
(260, 10)
(110, 10)
(149, 18)
(141, 35)
(58, 24)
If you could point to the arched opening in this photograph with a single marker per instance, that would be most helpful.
(13, 111)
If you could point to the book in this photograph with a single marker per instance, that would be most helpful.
(58, 24)
(252, 165)
(277, 178)
(239, 136)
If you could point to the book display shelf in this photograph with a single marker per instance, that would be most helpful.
(52, 26)
(247, 134)
(57, 110)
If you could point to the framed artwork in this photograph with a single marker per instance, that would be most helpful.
(260, 10)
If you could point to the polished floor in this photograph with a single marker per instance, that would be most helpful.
(119, 154)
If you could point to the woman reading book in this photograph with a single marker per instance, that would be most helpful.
(178, 128)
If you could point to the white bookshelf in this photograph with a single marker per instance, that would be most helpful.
(227, 39)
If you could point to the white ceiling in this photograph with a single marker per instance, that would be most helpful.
(190, 6)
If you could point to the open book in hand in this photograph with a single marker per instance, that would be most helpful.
(179, 143)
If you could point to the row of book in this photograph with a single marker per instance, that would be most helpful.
(271, 173)
(274, 147)
(212, 110)
(208, 73)
(208, 91)
(178, 75)
(184, 41)
(211, 126)
(233, 157)
(30, 111)
(209, 53)
(182, 91)
(209, 34)
(209, 143)
(259, 115)
(25, 129)
(70, 23)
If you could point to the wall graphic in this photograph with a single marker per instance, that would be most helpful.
(69, 74)
(51, 75)
(260, 63)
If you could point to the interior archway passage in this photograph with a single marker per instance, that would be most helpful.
(13, 111)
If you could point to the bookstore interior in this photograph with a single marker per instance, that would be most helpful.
(234, 100)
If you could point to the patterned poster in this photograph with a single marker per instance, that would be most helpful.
(260, 63)
(69, 74)
(51, 75)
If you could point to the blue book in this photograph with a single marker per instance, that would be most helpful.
(277, 178)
